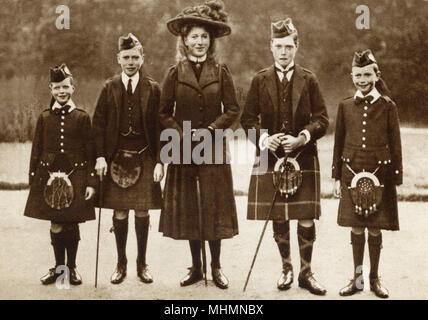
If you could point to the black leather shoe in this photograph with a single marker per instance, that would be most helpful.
(75, 277)
(219, 278)
(308, 282)
(119, 274)
(50, 277)
(286, 279)
(352, 288)
(378, 289)
(143, 273)
(194, 275)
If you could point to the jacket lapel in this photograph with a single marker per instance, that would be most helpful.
(187, 76)
(117, 95)
(298, 83)
(209, 74)
(273, 92)
(144, 94)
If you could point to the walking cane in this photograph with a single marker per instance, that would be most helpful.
(100, 202)
(266, 223)
(201, 229)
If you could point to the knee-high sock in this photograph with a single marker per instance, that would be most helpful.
(375, 245)
(195, 249)
(72, 237)
(121, 235)
(215, 248)
(281, 234)
(57, 242)
(358, 242)
(306, 237)
(142, 232)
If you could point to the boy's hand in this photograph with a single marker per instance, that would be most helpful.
(336, 189)
(290, 143)
(274, 141)
(101, 166)
(158, 172)
(89, 193)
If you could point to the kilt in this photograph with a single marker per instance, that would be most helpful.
(80, 209)
(145, 194)
(179, 216)
(304, 204)
(386, 217)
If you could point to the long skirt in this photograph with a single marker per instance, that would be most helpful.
(179, 216)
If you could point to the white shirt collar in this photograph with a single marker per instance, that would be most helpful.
(195, 59)
(70, 102)
(135, 78)
(281, 74)
(374, 93)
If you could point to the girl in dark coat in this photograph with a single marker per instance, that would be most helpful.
(367, 165)
(62, 182)
(197, 87)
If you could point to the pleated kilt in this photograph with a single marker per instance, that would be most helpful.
(386, 216)
(80, 209)
(179, 216)
(145, 194)
(304, 204)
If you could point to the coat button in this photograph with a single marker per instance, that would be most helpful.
(201, 109)
(365, 107)
(385, 162)
(62, 150)
(63, 111)
(365, 115)
(62, 130)
(364, 123)
(62, 137)
(61, 144)
(62, 123)
(364, 138)
(397, 172)
(363, 145)
(364, 130)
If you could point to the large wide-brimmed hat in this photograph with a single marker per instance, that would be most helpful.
(210, 13)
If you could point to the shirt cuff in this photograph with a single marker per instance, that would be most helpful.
(263, 140)
(307, 135)
(99, 158)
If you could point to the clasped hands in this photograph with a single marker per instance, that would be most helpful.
(286, 141)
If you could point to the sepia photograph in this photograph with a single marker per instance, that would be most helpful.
(213, 150)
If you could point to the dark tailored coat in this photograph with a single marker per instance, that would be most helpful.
(308, 112)
(201, 103)
(146, 194)
(73, 131)
(368, 136)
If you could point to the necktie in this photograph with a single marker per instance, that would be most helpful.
(129, 88)
(366, 99)
(284, 72)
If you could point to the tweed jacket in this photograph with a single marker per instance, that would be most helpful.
(372, 129)
(106, 120)
(308, 108)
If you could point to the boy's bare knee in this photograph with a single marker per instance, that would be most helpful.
(306, 223)
(121, 214)
(141, 213)
(358, 230)
(374, 231)
(56, 227)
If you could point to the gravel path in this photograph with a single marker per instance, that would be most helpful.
(26, 255)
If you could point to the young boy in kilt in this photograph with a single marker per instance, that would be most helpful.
(62, 180)
(285, 100)
(126, 130)
(367, 165)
